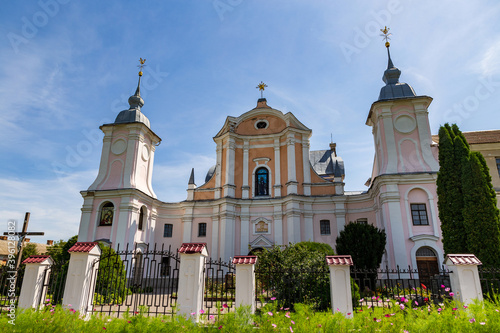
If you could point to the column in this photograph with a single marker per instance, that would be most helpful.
(85, 223)
(215, 232)
(391, 210)
(191, 279)
(245, 281)
(80, 281)
(245, 229)
(278, 224)
(464, 277)
(306, 165)
(187, 227)
(277, 168)
(308, 223)
(245, 188)
(291, 184)
(36, 275)
(229, 187)
(218, 167)
(340, 216)
(340, 284)
(227, 232)
(293, 221)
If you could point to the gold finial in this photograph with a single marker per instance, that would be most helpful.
(261, 86)
(385, 34)
(141, 66)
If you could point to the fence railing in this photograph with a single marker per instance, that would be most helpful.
(410, 286)
(490, 283)
(220, 287)
(10, 287)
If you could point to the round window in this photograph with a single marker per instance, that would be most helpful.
(261, 124)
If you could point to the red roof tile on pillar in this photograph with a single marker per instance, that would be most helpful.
(83, 247)
(244, 260)
(464, 259)
(339, 260)
(35, 259)
(192, 247)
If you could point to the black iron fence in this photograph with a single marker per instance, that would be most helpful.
(410, 287)
(54, 281)
(490, 283)
(220, 287)
(10, 287)
(288, 287)
(136, 281)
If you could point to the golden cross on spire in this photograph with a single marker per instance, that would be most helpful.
(261, 86)
(141, 66)
(385, 36)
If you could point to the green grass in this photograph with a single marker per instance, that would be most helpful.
(448, 317)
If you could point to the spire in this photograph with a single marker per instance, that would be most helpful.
(393, 88)
(191, 178)
(135, 101)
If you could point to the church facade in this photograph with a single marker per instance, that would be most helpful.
(268, 188)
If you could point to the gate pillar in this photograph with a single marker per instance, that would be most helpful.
(464, 277)
(35, 281)
(245, 280)
(81, 278)
(191, 279)
(340, 283)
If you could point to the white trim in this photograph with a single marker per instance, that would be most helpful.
(263, 219)
(429, 241)
(269, 177)
(259, 121)
(432, 217)
(257, 240)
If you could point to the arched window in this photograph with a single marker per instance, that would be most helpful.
(141, 218)
(107, 212)
(261, 182)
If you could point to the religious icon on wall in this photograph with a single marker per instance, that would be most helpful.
(107, 215)
(261, 227)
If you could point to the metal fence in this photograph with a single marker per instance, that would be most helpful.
(288, 287)
(410, 287)
(220, 287)
(490, 283)
(10, 287)
(136, 281)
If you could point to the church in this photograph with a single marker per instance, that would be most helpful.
(268, 188)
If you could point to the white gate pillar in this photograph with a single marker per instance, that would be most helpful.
(34, 281)
(80, 281)
(245, 280)
(340, 284)
(464, 277)
(191, 279)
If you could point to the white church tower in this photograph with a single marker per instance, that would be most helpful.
(119, 202)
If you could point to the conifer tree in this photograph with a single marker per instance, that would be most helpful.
(449, 190)
(481, 217)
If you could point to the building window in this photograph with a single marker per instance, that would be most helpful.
(140, 225)
(362, 221)
(324, 227)
(167, 230)
(419, 214)
(107, 212)
(202, 229)
(261, 182)
(498, 166)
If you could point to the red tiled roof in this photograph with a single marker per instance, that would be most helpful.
(339, 260)
(192, 247)
(477, 137)
(83, 247)
(35, 259)
(244, 260)
(464, 259)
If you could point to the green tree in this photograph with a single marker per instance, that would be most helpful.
(111, 284)
(59, 253)
(449, 188)
(364, 242)
(481, 217)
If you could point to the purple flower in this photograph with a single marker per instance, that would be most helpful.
(224, 305)
(270, 313)
(202, 311)
(273, 298)
(472, 320)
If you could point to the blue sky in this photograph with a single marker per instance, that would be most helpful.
(67, 67)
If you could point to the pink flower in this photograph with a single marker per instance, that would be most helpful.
(455, 309)
(274, 325)
(202, 311)
(439, 309)
(193, 313)
(220, 327)
(291, 329)
(273, 298)
(224, 306)
(402, 306)
(416, 303)
(465, 307)
(287, 314)
(387, 315)
(211, 317)
(482, 323)
(293, 323)
(442, 286)
(447, 289)
(270, 313)
(472, 320)
(452, 294)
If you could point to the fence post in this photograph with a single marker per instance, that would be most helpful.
(191, 279)
(340, 284)
(464, 277)
(34, 281)
(80, 281)
(245, 280)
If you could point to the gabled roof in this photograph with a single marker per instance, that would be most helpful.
(190, 248)
(36, 259)
(462, 259)
(83, 246)
(244, 260)
(342, 260)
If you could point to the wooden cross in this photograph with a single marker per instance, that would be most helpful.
(22, 235)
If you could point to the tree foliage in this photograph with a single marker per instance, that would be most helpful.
(111, 284)
(364, 242)
(466, 199)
